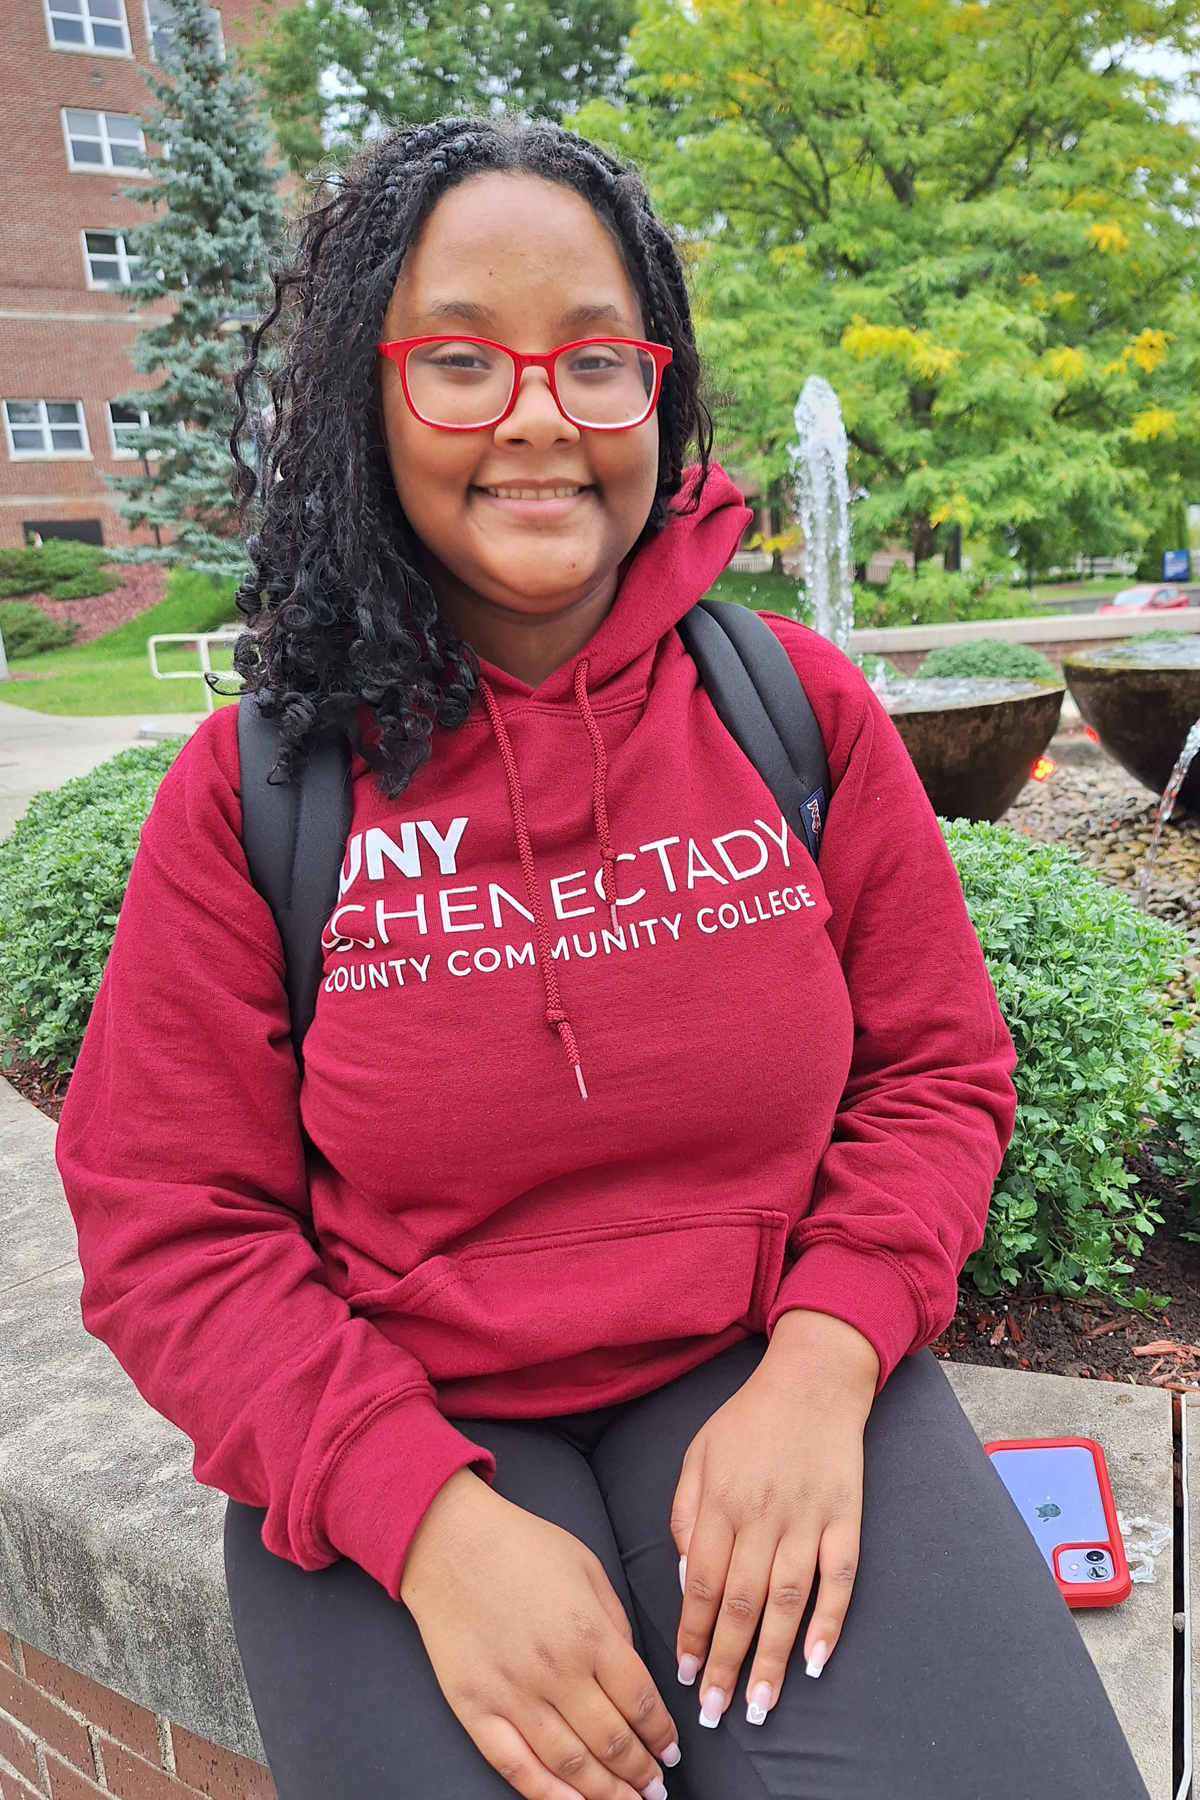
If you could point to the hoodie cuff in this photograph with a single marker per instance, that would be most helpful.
(867, 1291)
(384, 1481)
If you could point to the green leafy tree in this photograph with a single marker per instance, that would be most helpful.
(205, 251)
(976, 220)
(1170, 532)
(333, 70)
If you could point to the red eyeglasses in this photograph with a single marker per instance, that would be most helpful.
(470, 383)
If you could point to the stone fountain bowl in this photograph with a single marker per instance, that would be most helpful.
(974, 742)
(1141, 700)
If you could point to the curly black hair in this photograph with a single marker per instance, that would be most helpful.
(339, 616)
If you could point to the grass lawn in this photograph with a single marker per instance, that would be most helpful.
(111, 675)
(80, 683)
(1096, 587)
(763, 593)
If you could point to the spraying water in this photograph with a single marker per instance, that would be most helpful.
(823, 507)
(1166, 806)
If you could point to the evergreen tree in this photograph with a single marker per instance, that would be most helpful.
(205, 250)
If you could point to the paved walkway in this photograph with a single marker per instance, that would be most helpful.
(40, 750)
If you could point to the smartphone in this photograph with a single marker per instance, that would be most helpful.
(1060, 1488)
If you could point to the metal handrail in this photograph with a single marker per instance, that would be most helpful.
(202, 641)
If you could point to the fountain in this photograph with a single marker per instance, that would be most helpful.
(1166, 806)
(973, 742)
(823, 507)
(1140, 699)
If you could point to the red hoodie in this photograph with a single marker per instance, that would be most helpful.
(797, 1082)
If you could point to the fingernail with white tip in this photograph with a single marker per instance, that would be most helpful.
(817, 1660)
(712, 1705)
(689, 1668)
(654, 1791)
(670, 1755)
(760, 1704)
(683, 1574)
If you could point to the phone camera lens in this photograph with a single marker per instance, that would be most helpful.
(1094, 1556)
(1095, 1574)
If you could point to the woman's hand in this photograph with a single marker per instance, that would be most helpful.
(770, 1495)
(533, 1651)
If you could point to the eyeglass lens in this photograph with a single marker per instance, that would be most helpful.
(455, 382)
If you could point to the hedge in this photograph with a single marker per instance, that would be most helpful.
(1079, 972)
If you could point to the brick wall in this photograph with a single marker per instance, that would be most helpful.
(64, 1737)
(60, 339)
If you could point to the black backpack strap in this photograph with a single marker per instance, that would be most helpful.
(761, 702)
(294, 835)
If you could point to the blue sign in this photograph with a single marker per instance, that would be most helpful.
(1177, 565)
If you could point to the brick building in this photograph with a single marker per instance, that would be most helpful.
(69, 128)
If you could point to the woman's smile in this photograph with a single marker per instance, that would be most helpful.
(533, 493)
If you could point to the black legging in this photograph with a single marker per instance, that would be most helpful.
(960, 1674)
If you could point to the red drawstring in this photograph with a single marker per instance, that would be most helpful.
(608, 856)
(556, 1014)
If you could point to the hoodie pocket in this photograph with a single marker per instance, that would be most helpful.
(514, 1302)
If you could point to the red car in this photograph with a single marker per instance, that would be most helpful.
(1151, 596)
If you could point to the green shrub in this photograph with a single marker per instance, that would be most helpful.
(930, 596)
(28, 632)
(60, 568)
(63, 872)
(989, 657)
(1079, 973)
(873, 666)
(1175, 1143)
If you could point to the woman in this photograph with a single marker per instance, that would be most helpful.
(633, 1159)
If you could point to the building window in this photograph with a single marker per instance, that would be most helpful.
(88, 25)
(107, 261)
(122, 421)
(103, 140)
(76, 531)
(45, 428)
(158, 28)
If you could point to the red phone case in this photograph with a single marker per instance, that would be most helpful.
(1100, 1593)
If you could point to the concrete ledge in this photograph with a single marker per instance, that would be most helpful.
(1059, 628)
(1132, 1645)
(110, 1552)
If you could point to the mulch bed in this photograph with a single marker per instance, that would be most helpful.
(46, 1092)
(141, 588)
(1097, 1339)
